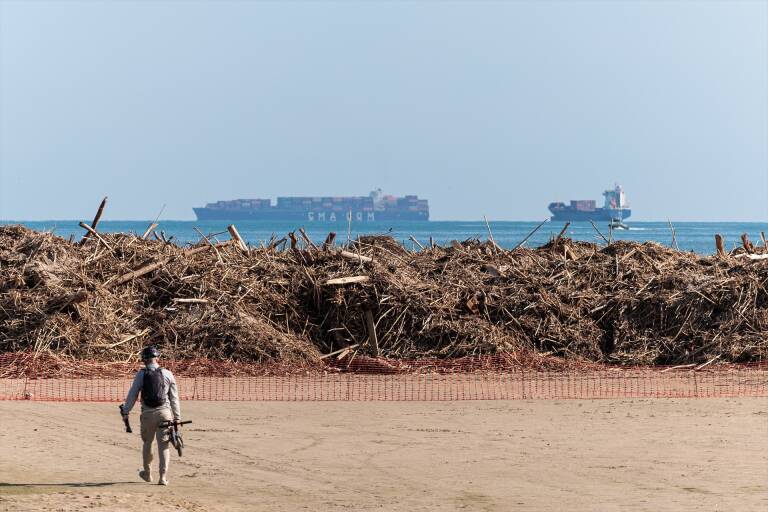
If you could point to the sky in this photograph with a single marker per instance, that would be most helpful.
(484, 108)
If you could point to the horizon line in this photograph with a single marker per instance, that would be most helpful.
(21, 221)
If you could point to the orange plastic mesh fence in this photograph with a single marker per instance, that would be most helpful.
(26, 377)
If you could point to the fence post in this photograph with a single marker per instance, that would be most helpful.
(695, 385)
(524, 395)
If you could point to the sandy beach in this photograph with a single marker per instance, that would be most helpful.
(654, 455)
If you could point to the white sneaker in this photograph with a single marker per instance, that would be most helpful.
(162, 481)
(145, 475)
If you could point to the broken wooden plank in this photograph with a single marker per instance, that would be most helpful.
(125, 339)
(203, 248)
(218, 256)
(370, 325)
(237, 238)
(704, 365)
(355, 257)
(95, 219)
(755, 257)
(91, 231)
(413, 239)
(347, 280)
(274, 243)
(329, 240)
(149, 230)
(146, 269)
(678, 367)
(746, 243)
(325, 356)
(720, 245)
(562, 232)
(60, 303)
(306, 238)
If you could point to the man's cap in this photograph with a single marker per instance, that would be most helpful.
(149, 352)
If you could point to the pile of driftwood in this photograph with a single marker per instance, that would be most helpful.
(299, 301)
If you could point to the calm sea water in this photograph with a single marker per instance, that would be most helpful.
(691, 236)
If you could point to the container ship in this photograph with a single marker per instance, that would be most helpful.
(614, 208)
(371, 208)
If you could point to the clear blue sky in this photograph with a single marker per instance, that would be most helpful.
(483, 108)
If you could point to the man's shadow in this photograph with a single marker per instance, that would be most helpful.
(69, 484)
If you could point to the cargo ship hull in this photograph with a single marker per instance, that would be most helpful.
(375, 207)
(615, 207)
(598, 214)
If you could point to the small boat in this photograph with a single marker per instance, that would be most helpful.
(617, 224)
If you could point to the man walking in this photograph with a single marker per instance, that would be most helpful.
(159, 402)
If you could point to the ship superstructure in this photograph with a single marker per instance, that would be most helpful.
(614, 207)
(376, 206)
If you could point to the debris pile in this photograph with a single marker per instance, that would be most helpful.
(106, 296)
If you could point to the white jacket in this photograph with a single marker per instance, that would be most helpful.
(170, 393)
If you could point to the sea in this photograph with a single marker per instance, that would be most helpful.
(688, 236)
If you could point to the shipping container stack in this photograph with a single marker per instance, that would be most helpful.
(584, 205)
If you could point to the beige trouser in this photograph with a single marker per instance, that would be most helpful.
(150, 419)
